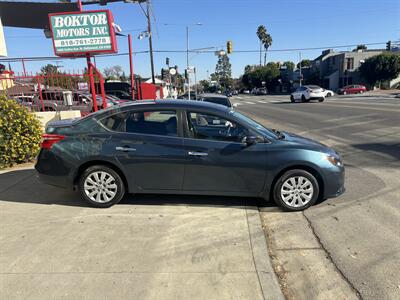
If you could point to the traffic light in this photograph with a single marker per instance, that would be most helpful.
(229, 49)
(167, 61)
(389, 45)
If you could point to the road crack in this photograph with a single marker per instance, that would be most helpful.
(329, 256)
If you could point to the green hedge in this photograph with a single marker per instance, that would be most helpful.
(20, 133)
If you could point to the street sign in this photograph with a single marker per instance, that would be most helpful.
(82, 33)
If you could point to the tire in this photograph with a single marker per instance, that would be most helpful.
(321, 100)
(303, 99)
(291, 98)
(296, 199)
(108, 193)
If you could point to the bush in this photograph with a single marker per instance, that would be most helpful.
(20, 133)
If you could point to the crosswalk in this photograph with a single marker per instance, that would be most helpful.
(236, 104)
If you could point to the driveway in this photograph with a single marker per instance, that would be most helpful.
(148, 247)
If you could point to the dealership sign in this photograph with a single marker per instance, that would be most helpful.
(82, 33)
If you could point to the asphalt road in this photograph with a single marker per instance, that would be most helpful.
(361, 229)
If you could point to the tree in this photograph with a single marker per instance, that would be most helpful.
(304, 63)
(204, 85)
(255, 76)
(223, 72)
(113, 73)
(265, 40)
(385, 66)
(360, 47)
(49, 69)
(289, 65)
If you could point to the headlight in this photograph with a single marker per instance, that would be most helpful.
(334, 160)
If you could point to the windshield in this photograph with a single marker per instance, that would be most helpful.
(253, 124)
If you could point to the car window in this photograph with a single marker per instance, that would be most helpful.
(153, 122)
(212, 127)
(144, 122)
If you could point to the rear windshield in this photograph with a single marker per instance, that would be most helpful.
(221, 101)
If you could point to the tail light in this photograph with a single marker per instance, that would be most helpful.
(48, 140)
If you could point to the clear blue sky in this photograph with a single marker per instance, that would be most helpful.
(291, 23)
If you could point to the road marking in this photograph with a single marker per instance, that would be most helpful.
(247, 102)
(350, 118)
(262, 102)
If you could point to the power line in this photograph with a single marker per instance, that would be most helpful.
(43, 58)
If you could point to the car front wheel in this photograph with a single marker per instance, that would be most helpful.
(296, 190)
(101, 186)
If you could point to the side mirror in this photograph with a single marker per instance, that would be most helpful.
(249, 140)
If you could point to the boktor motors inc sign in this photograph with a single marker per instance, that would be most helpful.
(81, 33)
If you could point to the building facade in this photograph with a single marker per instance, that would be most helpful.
(338, 69)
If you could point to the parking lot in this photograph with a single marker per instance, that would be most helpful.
(359, 231)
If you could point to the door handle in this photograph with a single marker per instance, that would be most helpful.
(125, 149)
(194, 153)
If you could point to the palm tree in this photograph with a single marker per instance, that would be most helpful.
(265, 40)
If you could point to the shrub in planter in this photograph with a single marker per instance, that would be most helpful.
(20, 133)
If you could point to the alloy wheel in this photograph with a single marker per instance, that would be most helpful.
(100, 187)
(297, 191)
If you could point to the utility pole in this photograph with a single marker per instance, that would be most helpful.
(150, 40)
(187, 60)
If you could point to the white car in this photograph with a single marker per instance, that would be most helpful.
(306, 93)
(329, 93)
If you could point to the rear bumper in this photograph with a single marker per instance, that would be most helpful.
(53, 170)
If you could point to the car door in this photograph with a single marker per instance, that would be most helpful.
(217, 160)
(148, 144)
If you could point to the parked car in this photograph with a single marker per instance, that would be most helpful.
(352, 89)
(306, 93)
(186, 96)
(169, 147)
(60, 99)
(246, 92)
(117, 86)
(122, 95)
(261, 91)
(328, 93)
(216, 98)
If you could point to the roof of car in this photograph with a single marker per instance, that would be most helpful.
(175, 104)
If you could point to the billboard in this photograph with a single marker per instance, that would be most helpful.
(81, 33)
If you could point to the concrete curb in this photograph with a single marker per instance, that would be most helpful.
(265, 272)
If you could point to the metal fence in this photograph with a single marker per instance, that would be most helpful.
(56, 92)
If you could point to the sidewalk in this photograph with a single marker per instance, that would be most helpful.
(147, 247)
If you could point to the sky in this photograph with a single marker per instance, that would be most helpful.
(293, 24)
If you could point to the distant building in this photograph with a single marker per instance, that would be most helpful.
(338, 69)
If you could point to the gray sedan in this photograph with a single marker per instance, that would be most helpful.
(185, 147)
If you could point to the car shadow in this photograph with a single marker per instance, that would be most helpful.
(390, 149)
(22, 186)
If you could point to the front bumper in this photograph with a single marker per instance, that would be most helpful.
(334, 182)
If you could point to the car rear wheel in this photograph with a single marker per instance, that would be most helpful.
(296, 190)
(291, 98)
(101, 186)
